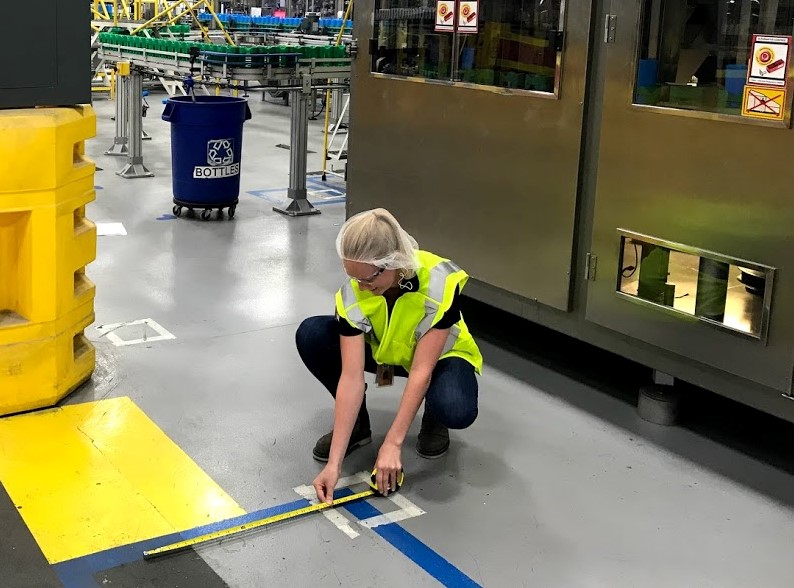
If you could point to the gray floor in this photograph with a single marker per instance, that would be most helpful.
(556, 484)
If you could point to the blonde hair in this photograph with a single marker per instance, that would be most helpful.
(375, 237)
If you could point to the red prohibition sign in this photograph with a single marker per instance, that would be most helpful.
(762, 103)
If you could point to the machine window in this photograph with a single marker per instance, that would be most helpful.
(407, 43)
(730, 293)
(694, 53)
(505, 43)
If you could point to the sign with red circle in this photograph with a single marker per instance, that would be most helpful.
(467, 18)
(769, 61)
(445, 16)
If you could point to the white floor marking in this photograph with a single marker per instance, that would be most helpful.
(406, 508)
(328, 194)
(109, 332)
(335, 516)
(110, 230)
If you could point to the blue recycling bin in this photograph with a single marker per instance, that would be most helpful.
(206, 150)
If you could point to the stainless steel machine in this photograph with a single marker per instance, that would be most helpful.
(616, 170)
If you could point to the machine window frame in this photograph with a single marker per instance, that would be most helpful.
(701, 114)
(559, 64)
(769, 274)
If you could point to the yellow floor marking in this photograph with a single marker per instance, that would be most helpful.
(88, 477)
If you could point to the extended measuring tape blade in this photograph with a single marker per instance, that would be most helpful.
(224, 533)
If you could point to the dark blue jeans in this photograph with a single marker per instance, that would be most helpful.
(451, 398)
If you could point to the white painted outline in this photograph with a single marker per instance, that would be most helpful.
(109, 332)
(339, 520)
(406, 508)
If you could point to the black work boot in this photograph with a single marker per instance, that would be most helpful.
(433, 438)
(361, 435)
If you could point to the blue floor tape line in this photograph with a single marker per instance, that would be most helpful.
(269, 196)
(261, 193)
(79, 572)
(335, 190)
(424, 557)
(411, 547)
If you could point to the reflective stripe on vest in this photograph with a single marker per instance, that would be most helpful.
(454, 333)
(435, 296)
(438, 279)
(431, 310)
(353, 310)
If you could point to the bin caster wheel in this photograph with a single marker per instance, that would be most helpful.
(206, 214)
(232, 210)
(177, 210)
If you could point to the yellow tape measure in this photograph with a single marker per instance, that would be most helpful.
(216, 535)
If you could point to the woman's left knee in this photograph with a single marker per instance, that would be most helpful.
(452, 397)
(459, 416)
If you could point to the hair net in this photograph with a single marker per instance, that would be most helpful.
(375, 237)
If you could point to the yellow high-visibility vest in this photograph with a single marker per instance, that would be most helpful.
(393, 338)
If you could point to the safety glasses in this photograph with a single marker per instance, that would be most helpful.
(371, 278)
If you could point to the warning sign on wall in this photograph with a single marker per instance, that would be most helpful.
(445, 16)
(766, 103)
(769, 61)
(467, 17)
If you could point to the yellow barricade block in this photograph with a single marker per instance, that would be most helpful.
(43, 255)
(46, 300)
(42, 363)
(43, 149)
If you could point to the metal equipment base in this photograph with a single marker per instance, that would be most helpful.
(135, 170)
(206, 208)
(298, 207)
(119, 147)
(659, 404)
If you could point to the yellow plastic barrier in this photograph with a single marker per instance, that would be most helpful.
(46, 300)
(40, 368)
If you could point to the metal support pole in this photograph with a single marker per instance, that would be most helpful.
(135, 167)
(299, 133)
(119, 146)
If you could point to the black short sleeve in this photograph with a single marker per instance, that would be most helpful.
(452, 316)
(346, 329)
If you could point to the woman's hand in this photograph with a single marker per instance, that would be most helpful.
(389, 465)
(325, 483)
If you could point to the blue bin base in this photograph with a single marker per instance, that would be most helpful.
(205, 207)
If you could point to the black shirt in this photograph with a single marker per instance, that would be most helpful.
(452, 316)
